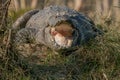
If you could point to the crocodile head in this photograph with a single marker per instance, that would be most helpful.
(63, 35)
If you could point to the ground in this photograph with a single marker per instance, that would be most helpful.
(97, 60)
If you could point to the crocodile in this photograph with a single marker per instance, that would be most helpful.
(34, 28)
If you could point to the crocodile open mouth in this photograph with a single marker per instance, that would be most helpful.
(62, 35)
(63, 42)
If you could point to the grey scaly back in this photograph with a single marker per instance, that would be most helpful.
(36, 28)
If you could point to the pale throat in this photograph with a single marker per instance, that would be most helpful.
(63, 34)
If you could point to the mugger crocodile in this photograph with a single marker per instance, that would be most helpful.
(54, 27)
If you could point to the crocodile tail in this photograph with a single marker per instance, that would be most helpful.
(21, 21)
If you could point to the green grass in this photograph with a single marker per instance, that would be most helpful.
(14, 15)
(97, 60)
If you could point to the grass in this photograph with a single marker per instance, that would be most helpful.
(97, 60)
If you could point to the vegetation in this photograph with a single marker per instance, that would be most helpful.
(97, 60)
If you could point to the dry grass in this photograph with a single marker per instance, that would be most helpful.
(97, 60)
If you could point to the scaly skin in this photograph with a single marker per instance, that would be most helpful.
(35, 26)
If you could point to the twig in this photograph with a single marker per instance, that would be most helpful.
(105, 76)
(6, 5)
(8, 41)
